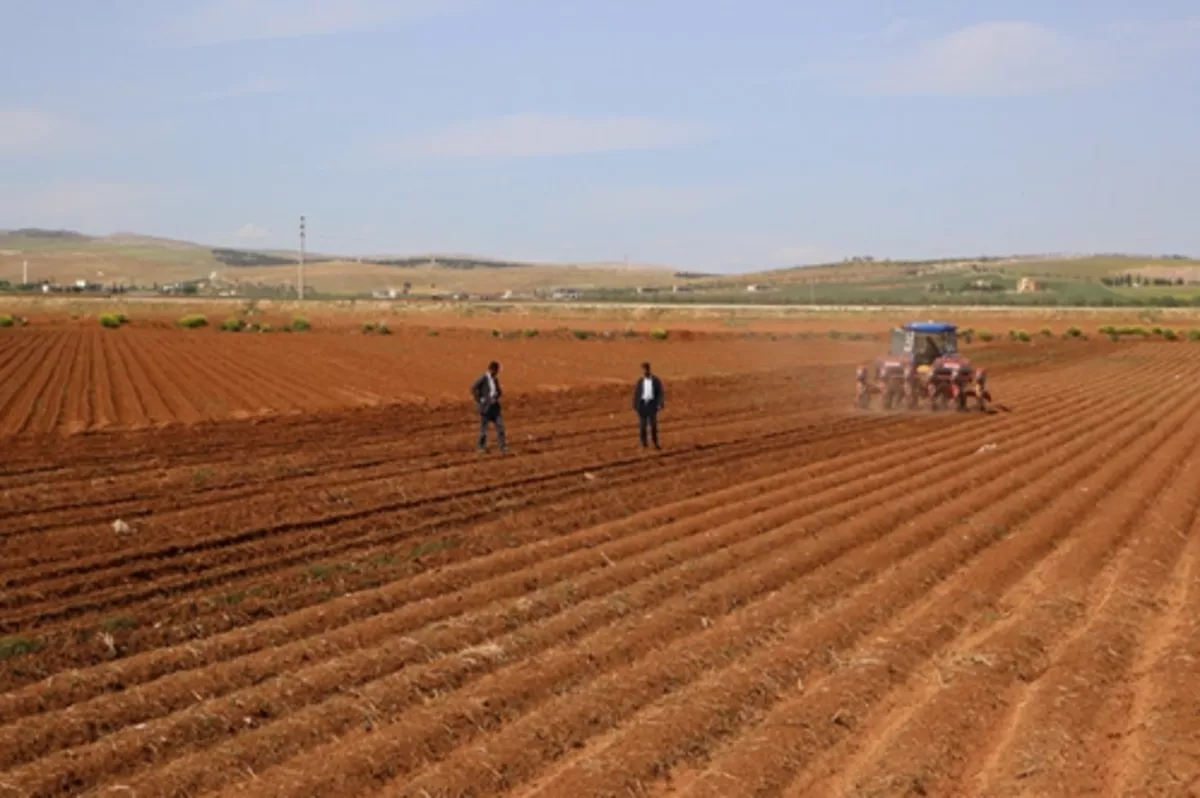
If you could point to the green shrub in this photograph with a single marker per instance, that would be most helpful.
(193, 321)
(300, 324)
(113, 320)
(17, 646)
(967, 335)
(1170, 334)
(1047, 332)
(529, 332)
(582, 335)
(1108, 330)
(368, 327)
(6, 320)
(383, 329)
(266, 328)
(658, 334)
(1193, 335)
(985, 336)
(233, 325)
(1074, 332)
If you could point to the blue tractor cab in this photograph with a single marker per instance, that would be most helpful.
(923, 342)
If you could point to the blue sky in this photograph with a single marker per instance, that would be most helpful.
(700, 134)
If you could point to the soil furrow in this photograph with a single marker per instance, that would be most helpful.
(720, 697)
(23, 739)
(1159, 751)
(899, 444)
(456, 579)
(1054, 733)
(931, 742)
(514, 693)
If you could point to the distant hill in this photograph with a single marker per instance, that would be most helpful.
(135, 259)
(1045, 279)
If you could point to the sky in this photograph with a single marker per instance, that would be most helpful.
(701, 134)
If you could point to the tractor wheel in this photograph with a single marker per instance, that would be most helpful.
(961, 401)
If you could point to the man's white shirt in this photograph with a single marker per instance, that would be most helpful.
(491, 385)
(647, 389)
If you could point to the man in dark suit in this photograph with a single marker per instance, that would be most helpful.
(648, 400)
(486, 392)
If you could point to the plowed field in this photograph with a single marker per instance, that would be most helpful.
(791, 599)
(69, 380)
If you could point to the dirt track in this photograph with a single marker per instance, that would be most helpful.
(792, 599)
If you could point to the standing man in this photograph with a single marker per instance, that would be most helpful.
(647, 401)
(486, 392)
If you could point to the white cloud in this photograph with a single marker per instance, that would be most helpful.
(533, 134)
(993, 58)
(251, 232)
(90, 206)
(218, 21)
(26, 131)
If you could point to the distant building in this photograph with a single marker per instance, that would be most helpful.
(757, 288)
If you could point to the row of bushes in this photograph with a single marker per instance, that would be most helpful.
(970, 334)
(1113, 333)
(1166, 333)
(241, 325)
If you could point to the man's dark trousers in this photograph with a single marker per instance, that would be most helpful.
(648, 417)
(491, 415)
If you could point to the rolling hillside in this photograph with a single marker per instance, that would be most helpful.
(140, 260)
(126, 258)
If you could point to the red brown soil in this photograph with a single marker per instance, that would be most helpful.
(792, 598)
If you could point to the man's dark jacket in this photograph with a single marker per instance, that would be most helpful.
(482, 393)
(659, 397)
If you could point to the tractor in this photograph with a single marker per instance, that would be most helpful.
(923, 362)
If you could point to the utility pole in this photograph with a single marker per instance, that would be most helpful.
(300, 283)
(25, 273)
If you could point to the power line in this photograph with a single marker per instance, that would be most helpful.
(300, 283)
